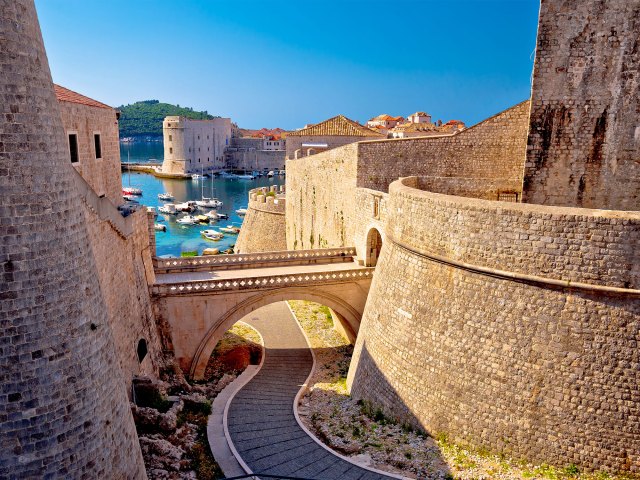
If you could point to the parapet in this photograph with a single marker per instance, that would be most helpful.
(270, 199)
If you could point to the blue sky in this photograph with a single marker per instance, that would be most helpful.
(287, 63)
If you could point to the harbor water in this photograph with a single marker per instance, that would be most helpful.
(187, 238)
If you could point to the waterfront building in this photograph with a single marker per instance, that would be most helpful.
(192, 146)
(419, 117)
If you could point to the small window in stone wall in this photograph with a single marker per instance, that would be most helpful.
(376, 207)
(170, 150)
(73, 147)
(507, 197)
(142, 349)
(170, 138)
(98, 144)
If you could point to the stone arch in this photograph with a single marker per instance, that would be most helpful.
(297, 154)
(373, 246)
(311, 151)
(349, 317)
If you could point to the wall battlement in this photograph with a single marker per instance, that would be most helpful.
(264, 228)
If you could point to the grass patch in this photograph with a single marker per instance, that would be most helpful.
(193, 253)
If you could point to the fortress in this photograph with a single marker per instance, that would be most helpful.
(504, 310)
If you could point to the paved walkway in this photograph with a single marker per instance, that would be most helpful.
(261, 422)
(254, 272)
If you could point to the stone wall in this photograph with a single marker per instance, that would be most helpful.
(479, 162)
(103, 174)
(585, 123)
(294, 142)
(321, 205)
(64, 412)
(507, 326)
(125, 290)
(263, 229)
(254, 160)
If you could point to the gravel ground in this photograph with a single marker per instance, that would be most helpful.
(357, 430)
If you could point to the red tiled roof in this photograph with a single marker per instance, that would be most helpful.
(66, 95)
(337, 126)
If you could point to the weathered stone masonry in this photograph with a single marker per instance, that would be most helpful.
(263, 229)
(63, 407)
(585, 134)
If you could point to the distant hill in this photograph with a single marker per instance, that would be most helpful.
(145, 118)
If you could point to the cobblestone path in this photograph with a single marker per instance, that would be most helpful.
(261, 422)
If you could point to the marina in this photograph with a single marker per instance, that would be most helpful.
(175, 236)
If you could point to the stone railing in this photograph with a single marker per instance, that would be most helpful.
(269, 282)
(103, 207)
(240, 260)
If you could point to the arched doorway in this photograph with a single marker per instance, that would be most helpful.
(374, 245)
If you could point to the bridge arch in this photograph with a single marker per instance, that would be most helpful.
(347, 315)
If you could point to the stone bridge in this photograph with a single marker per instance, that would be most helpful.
(200, 298)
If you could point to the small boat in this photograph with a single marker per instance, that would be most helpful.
(131, 191)
(270, 174)
(222, 216)
(197, 176)
(207, 202)
(211, 234)
(245, 177)
(211, 251)
(169, 209)
(256, 173)
(212, 216)
(230, 229)
(165, 196)
(159, 227)
(228, 251)
(187, 220)
(202, 218)
(189, 206)
(241, 211)
(130, 198)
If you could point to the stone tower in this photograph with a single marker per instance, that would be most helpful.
(584, 135)
(63, 409)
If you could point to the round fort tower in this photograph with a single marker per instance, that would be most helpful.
(175, 158)
(63, 408)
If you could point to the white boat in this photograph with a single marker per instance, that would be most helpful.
(270, 174)
(212, 215)
(187, 220)
(131, 191)
(211, 234)
(241, 211)
(130, 198)
(207, 202)
(159, 227)
(230, 229)
(165, 196)
(245, 177)
(169, 209)
(189, 206)
(222, 216)
(197, 176)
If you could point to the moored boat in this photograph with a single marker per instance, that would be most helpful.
(169, 209)
(211, 251)
(241, 211)
(211, 234)
(131, 191)
(230, 229)
(160, 227)
(202, 218)
(222, 216)
(187, 220)
(165, 196)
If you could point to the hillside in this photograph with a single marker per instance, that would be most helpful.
(145, 118)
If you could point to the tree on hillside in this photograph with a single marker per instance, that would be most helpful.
(145, 118)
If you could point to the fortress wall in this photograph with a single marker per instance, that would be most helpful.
(523, 367)
(255, 160)
(125, 290)
(263, 229)
(294, 142)
(479, 162)
(584, 141)
(63, 407)
(321, 205)
(102, 174)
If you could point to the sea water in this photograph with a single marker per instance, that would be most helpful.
(187, 238)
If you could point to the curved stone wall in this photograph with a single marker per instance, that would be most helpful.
(64, 412)
(264, 226)
(507, 326)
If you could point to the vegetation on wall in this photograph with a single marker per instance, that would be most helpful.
(145, 118)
